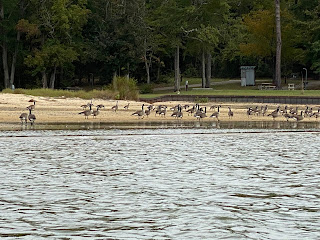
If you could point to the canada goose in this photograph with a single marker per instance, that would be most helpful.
(33, 106)
(147, 112)
(126, 107)
(298, 117)
(31, 116)
(163, 112)
(191, 110)
(87, 113)
(23, 117)
(84, 106)
(230, 113)
(186, 106)
(115, 107)
(250, 111)
(95, 113)
(216, 114)
(161, 109)
(177, 113)
(201, 114)
(316, 114)
(139, 113)
(275, 113)
(287, 116)
(100, 106)
(264, 110)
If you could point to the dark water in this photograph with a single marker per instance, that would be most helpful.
(160, 184)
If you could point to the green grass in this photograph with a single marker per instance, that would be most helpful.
(246, 92)
(101, 94)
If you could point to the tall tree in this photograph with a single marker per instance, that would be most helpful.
(60, 23)
(279, 45)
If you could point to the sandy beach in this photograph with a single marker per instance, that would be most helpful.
(66, 110)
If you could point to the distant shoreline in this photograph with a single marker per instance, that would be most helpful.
(63, 111)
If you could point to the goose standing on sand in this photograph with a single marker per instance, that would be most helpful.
(115, 107)
(87, 113)
(95, 113)
(201, 114)
(24, 117)
(139, 113)
(275, 113)
(31, 116)
(216, 114)
(298, 117)
(230, 113)
(33, 106)
(126, 107)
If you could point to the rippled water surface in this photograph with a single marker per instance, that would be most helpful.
(160, 184)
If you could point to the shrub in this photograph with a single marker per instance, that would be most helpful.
(125, 88)
(146, 88)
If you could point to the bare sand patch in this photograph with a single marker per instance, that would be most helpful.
(66, 110)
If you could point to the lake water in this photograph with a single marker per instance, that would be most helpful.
(199, 183)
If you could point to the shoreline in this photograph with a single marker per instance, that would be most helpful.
(57, 111)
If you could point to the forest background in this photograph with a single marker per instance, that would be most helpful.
(67, 43)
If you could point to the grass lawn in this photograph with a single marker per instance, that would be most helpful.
(226, 87)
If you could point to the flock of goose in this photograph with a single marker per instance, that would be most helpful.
(24, 117)
(287, 112)
(197, 111)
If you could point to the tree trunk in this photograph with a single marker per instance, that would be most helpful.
(208, 70)
(176, 70)
(44, 79)
(4, 50)
(14, 60)
(279, 43)
(5, 65)
(203, 61)
(53, 77)
(146, 62)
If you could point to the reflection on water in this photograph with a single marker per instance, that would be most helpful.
(200, 183)
(165, 124)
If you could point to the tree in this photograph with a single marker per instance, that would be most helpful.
(10, 13)
(279, 45)
(59, 23)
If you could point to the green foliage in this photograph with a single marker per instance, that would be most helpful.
(104, 94)
(126, 88)
(201, 100)
(146, 88)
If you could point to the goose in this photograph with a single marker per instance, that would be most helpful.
(33, 106)
(100, 106)
(316, 114)
(177, 113)
(147, 112)
(95, 113)
(186, 106)
(31, 116)
(216, 114)
(139, 113)
(126, 107)
(163, 112)
(191, 110)
(230, 113)
(87, 113)
(275, 113)
(115, 107)
(298, 117)
(201, 114)
(23, 117)
(264, 110)
(84, 106)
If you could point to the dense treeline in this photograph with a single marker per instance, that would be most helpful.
(64, 43)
